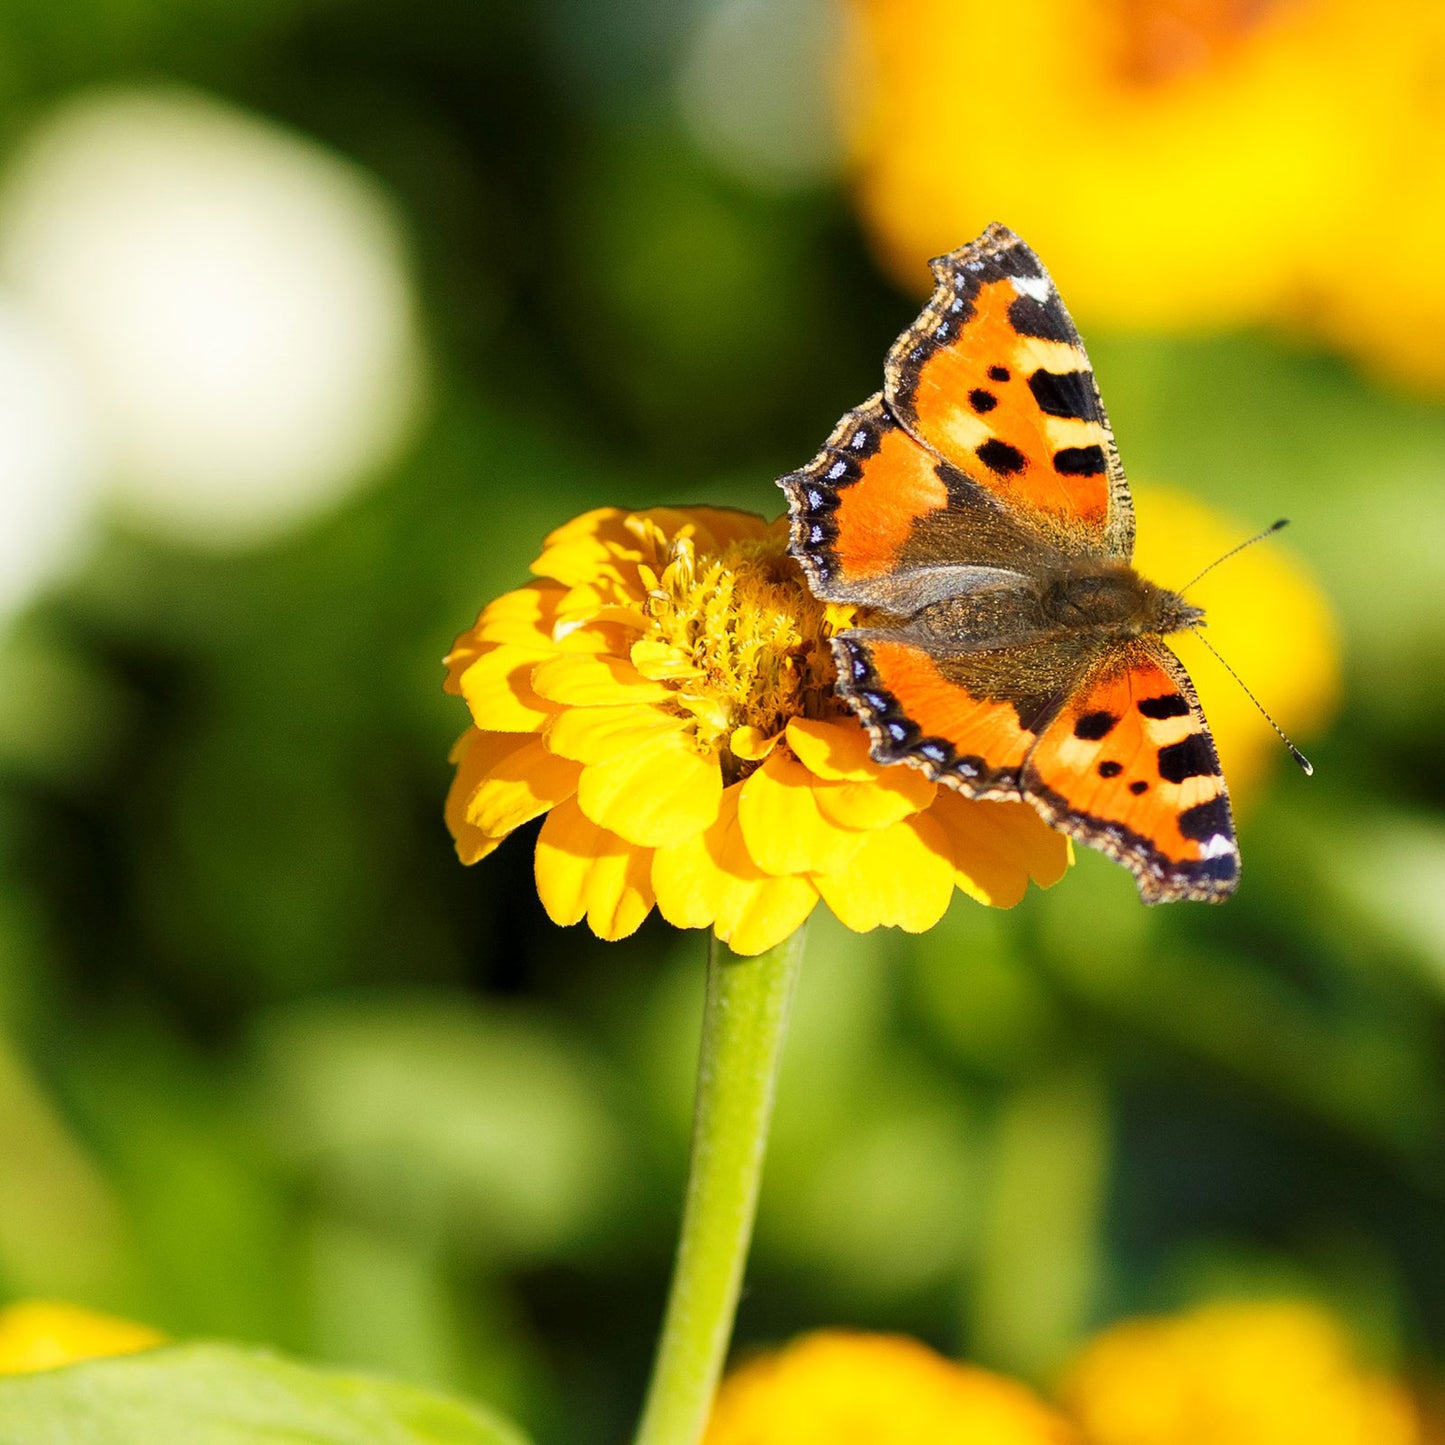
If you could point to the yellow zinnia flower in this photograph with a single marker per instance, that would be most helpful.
(42, 1335)
(836, 1388)
(1182, 164)
(1279, 1373)
(664, 694)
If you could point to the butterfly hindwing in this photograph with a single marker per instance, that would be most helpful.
(967, 718)
(1128, 766)
(994, 378)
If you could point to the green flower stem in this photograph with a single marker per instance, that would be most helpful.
(744, 1020)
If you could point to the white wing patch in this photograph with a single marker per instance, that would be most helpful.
(1038, 287)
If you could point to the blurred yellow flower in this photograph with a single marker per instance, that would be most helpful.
(41, 1335)
(1268, 619)
(664, 694)
(1181, 164)
(837, 1388)
(1235, 1374)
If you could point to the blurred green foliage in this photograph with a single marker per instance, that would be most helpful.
(275, 1068)
(237, 1397)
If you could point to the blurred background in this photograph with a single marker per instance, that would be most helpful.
(315, 315)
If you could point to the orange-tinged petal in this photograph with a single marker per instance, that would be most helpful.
(902, 877)
(998, 847)
(595, 734)
(583, 870)
(474, 754)
(585, 680)
(835, 749)
(498, 690)
(781, 823)
(655, 795)
(844, 1388)
(897, 792)
(518, 785)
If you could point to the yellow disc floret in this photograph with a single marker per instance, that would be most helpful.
(740, 640)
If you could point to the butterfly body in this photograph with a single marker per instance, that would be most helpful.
(976, 514)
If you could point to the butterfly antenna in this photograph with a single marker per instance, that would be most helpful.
(1234, 551)
(1306, 767)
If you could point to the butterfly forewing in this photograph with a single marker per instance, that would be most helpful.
(994, 378)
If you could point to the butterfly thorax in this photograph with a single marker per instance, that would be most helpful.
(1111, 597)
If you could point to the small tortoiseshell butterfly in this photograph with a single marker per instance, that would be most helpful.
(977, 508)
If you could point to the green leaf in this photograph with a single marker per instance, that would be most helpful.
(227, 1395)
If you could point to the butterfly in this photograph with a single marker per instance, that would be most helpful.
(975, 511)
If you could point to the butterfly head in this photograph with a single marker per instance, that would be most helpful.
(1112, 597)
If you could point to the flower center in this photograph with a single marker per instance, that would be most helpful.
(1169, 40)
(740, 639)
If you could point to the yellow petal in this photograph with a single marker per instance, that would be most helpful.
(655, 795)
(519, 784)
(475, 752)
(757, 914)
(661, 660)
(835, 749)
(687, 879)
(498, 690)
(576, 550)
(524, 617)
(715, 528)
(711, 878)
(595, 734)
(897, 792)
(998, 847)
(43, 1335)
(752, 744)
(583, 870)
(902, 877)
(781, 823)
(595, 681)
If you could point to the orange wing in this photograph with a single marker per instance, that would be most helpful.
(994, 378)
(967, 719)
(1128, 767)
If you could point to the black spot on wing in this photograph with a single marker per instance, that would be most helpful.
(1095, 725)
(1079, 461)
(998, 373)
(1045, 319)
(1065, 393)
(1000, 458)
(1207, 820)
(1224, 868)
(982, 401)
(1138, 786)
(1110, 769)
(1172, 704)
(1192, 757)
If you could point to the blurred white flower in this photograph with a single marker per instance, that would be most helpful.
(235, 298)
(759, 89)
(50, 465)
